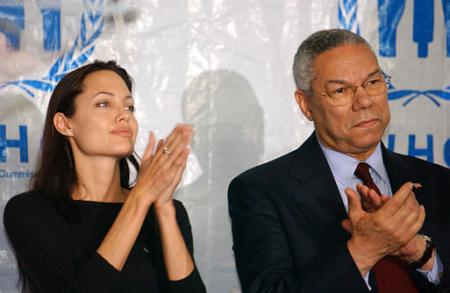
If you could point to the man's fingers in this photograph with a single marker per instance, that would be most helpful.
(354, 203)
(422, 216)
(413, 223)
(370, 199)
(362, 189)
(418, 218)
(407, 221)
(347, 225)
(409, 206)
(399, 198)
(375, 197)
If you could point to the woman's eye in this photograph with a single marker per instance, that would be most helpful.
(102, 104)
(130, 108)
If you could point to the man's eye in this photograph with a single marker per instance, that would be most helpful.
(373, 82)
(340, 90)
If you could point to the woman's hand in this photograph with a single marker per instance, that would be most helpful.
(167, 195)
(161, 170)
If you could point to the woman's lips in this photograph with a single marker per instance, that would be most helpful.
(125, 132)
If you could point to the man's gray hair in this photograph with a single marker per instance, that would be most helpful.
(313, 46)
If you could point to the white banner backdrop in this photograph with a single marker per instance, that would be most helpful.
(223, 66)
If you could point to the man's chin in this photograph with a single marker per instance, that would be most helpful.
(366, 144)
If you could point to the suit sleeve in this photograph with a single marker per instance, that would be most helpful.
(42, 258)
(264, 257)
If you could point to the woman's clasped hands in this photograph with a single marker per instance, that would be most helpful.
(162, 167)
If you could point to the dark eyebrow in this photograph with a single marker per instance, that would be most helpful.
(375, 72)
(103, 93)
(341, 81)
(111, 94)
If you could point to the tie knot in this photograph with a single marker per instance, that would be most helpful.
(362, 172)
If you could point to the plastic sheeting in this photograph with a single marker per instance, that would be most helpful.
(223, 66)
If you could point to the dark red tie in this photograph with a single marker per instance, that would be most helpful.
(391, 274)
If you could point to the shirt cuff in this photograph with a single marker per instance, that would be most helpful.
(433, 276)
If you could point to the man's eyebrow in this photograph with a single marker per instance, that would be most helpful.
(341, 81)
(373, 73)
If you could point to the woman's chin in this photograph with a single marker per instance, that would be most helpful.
(123, 153)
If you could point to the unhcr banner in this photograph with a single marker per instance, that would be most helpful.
(225, 67)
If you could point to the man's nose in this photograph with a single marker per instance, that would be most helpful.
(362, 98)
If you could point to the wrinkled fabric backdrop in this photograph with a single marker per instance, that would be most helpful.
(223, 66)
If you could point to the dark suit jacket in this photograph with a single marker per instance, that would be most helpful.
(286, 221)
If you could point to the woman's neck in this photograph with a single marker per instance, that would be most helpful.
(98, 180)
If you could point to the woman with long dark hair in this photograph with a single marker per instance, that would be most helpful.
(83, 227)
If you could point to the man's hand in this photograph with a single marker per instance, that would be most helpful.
(371, 202)
(384, 231)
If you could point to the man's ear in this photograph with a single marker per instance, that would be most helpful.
(303, 103)
(62, 124)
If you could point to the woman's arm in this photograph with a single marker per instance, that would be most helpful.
(159, 175)
(177, 259)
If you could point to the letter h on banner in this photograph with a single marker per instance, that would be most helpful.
(426, 152)
(21, 143)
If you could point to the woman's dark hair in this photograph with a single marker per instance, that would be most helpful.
(55, 176)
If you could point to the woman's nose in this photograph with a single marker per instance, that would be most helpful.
(123, 114)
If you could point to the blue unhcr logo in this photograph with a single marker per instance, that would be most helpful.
(390, 13)
(91, 27)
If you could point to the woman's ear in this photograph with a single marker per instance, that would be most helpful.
(62, 124)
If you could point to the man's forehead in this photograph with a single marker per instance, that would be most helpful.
(346, 62)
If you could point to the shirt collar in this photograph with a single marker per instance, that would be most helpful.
(375, 161)
(340, 164)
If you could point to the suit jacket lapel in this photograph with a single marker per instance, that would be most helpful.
(399, 173)
(316, 193)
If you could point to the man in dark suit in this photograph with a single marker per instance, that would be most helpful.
(342, 213)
